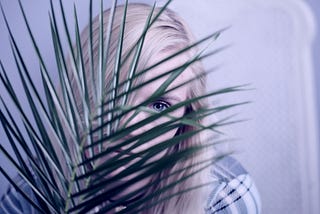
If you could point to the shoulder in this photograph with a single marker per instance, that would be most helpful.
(235, 191)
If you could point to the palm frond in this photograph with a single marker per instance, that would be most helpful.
(67, 143)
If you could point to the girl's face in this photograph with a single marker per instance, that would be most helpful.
(168, 99)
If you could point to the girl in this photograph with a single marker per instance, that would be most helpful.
(231, 189)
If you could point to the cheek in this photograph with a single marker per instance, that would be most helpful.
(163, 137)
(168, 135)
(160, 139)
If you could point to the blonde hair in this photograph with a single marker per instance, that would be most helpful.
(168, 33)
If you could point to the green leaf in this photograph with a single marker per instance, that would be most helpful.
(75, 136)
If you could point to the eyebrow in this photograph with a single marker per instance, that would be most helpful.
(171, 97)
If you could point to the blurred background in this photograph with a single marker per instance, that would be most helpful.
(274, 47)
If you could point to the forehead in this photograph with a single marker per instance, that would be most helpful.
(166, 66)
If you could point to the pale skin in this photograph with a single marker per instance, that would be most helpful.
(169, 99)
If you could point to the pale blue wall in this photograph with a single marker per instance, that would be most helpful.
(315, 6)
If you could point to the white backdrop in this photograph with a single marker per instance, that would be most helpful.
(270, 50)
(271, 47)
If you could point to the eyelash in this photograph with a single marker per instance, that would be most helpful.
(161, 102)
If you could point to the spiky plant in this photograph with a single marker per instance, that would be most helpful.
(79, 182)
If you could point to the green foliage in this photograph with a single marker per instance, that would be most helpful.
(79, 182)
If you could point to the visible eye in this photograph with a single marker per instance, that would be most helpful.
(160, 105)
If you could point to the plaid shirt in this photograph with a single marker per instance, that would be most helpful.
(233, 193)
